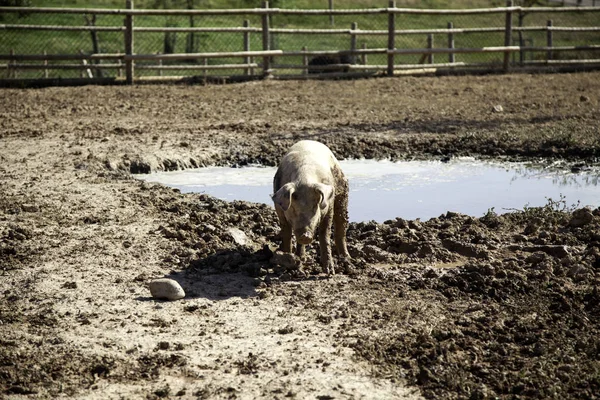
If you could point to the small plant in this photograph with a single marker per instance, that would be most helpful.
(554, 212)
(490, 218)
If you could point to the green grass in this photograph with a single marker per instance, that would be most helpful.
(61, 42)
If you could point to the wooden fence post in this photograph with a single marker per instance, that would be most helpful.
(266, 39)
(451, 57)
(45, 64)
(160, 64)
(430, 47)
(331, 18)
(391, 38)
(353, 27)
(247, 60)
(129, 65)
(12, 72)
(508, 34)
(549, 41)
(521, 40)
(305, 61)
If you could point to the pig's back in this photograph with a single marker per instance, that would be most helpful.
(308, 161)
(313, 152)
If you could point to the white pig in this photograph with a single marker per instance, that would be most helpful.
(311, 192)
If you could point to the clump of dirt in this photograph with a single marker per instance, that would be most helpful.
(524, 322)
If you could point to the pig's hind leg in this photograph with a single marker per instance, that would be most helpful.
(340, 221)
(325, 244)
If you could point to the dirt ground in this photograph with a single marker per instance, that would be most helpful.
(492, 306)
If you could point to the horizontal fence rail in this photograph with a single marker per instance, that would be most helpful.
(393, 42)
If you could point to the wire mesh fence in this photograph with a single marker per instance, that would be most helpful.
(363, 37)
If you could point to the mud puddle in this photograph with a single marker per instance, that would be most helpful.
(382, 190)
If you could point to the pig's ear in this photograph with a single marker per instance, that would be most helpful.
(283, 197)
(326, 192)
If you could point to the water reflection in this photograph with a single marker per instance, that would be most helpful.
(381, 190)
(560, 177)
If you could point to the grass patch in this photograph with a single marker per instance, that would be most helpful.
(23, 41)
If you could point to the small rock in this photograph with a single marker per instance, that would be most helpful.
(520, 238)
(238, 236)
(465, 249)
(584, 98)
(167, 289)
(29, 208)
(209, 228)
(285, 260)
(536, 258)
(69, 285)
(377, 254)
(163, 345)
(400, 223)
(498, 108)
(558, 251)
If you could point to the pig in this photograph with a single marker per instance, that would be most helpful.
(321, 64)
(310, 194)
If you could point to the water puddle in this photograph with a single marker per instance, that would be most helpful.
(381, 190)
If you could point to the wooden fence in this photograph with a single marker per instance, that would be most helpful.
(267, 66)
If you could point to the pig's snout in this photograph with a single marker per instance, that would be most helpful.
(304, 237)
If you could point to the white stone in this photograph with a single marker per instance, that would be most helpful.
(238, 236)
(167, 289)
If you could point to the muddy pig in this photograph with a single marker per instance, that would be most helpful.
(311, 193)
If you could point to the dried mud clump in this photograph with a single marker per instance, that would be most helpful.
(524, 324)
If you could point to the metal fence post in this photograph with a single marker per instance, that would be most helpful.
(129, 43)
(266, 39)
(391, 38)
(451, 57)
(549, 41)
(508, 34)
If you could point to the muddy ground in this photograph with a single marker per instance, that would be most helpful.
(489, 306)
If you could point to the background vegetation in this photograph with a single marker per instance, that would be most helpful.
(23, 41)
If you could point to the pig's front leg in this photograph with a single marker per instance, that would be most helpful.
(325, 244)
(286, 233)
(300, 250)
